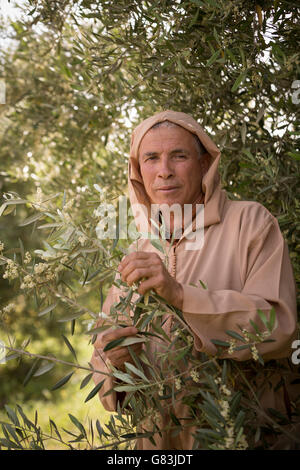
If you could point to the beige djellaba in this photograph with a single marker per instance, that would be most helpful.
(244, 264)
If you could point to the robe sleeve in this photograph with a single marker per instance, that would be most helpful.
(268, 282)
(99, 364)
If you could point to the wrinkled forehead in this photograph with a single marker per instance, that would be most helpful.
(191, 140)
(180, 119)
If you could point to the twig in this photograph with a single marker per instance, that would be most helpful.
(53, 359)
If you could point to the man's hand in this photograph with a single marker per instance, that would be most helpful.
(149, 268)
(118, 355)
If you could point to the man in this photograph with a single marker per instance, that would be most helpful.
(243, 263)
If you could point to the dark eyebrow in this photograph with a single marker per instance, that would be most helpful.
(149, 154)
(152, 154)
(180, 151)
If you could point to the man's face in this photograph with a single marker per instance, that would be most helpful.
(170, 166)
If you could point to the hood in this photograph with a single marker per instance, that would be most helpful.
(214, 196)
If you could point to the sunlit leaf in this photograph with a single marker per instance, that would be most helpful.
(136, 371)
(47, 309)
(31, 219)
(77, 424)
(43, 369)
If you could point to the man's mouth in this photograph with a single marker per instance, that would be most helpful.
(167, 188)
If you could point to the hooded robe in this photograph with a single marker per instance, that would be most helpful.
(244, 264)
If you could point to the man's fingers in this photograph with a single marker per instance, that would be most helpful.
(135, 264)
(98, 344)
(112, 334)
(134, 268)
(137, 275)
(118, 357)
(122, 353)
(117, 354)
(119, 333)
(147, 285)
(137, 255)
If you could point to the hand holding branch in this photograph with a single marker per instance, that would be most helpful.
(149, 269)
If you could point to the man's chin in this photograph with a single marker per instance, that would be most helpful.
(168, 200)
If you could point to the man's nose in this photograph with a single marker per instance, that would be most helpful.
(165, 169)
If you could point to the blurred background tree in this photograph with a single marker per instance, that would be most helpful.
(78, 76)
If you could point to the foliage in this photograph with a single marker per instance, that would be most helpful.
(78, 76)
